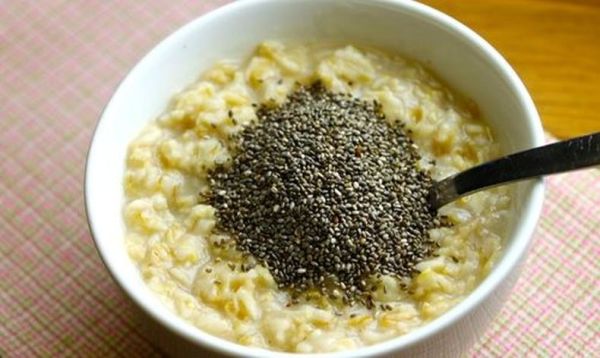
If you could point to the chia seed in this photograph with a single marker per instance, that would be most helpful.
(326, 194)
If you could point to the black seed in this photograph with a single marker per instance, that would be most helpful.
(326, 194)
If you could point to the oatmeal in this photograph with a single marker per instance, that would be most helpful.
(173, 235)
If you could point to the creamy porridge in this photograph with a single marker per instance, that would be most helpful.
(171, 233)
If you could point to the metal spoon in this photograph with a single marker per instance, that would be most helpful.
(553, 158)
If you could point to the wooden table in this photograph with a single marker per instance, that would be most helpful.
(554, 45)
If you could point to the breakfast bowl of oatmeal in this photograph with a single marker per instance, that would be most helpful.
(258, 183)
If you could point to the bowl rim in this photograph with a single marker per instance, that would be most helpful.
(508, 262)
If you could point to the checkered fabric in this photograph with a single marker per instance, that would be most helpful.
(60, 60)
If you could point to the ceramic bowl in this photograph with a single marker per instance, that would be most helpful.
(457, 55)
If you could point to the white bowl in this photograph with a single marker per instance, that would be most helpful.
(455, 53)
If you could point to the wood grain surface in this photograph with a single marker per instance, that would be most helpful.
(554, 45)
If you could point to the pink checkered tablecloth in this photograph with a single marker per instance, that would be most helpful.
(59, 63)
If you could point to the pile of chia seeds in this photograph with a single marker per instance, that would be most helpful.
(327, 195)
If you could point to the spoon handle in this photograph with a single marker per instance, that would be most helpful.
(553, 158)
